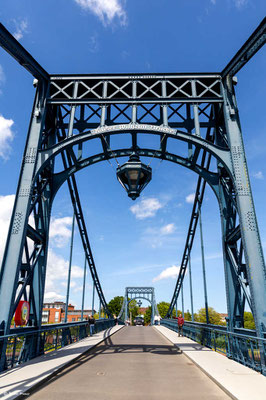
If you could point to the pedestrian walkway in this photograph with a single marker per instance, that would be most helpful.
(135, 363)
(24, 378)
(238, 381)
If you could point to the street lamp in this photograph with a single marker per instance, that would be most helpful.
(134, 176)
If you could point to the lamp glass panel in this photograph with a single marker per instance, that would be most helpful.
(133, 176)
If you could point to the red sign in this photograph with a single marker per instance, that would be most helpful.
(22, 313)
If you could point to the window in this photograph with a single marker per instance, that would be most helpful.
(56, 316)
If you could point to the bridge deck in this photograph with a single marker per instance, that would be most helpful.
(136, 362)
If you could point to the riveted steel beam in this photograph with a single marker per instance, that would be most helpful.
(247, 51)
(18, 52)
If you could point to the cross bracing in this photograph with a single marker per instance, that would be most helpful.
(72, 111)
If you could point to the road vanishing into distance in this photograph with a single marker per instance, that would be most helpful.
(135, 363)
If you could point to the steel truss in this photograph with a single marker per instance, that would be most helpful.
(133, 293)
(191, 119)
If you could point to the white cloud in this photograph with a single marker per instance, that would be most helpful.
(60, 231)
(258, 175)
(147, 207)
(57, 272)
(94, 43)
(168, 229)
(6, 136)
(190, 198)
(171, 272)
(52, 296)
(106, 10)
(57, 266)
(21, 28)
(240, 3)
(2, 74)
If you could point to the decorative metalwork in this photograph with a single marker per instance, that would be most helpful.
(134, 176)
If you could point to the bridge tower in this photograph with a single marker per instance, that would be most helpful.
(134, 293)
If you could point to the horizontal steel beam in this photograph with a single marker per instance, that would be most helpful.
(171, 100)
(133, 76)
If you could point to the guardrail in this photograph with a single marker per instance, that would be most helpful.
(242, 346)
(26, 343)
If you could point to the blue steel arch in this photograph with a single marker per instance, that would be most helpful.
(221, 154)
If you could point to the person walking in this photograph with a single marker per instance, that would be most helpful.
(91, 324)
(180, 322)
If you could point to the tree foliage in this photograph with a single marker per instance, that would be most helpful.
(163, 307)
(147, 316)
(214, 316)
(115, 305)
(133, 309)
(248, 320)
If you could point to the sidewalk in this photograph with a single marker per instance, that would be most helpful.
(21, 379)
(238, 381)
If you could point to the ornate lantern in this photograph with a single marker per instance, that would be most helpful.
(134, 176)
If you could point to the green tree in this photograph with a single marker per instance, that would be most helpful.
(214, 316)
(187, 316)
(133, 309)
(147, 316)
(163, 307)
(249, 322)
(115, 305)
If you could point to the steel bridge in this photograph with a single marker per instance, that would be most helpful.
(71, 111)
(144, 293)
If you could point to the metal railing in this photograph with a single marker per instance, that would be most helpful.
(26, 343)
(242, 346)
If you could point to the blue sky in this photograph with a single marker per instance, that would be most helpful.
(134, 243)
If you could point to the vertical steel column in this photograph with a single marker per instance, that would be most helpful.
(195, 109)
(134, 106)
(83, 291)
(203, 267)
(176, 309)
(72, 111)
(190, 284)
(152, 308)
(247, 216)
(103, 113)
(12, 258)
(70, 265)
(182, 296)
(93, 297)
(126, 305)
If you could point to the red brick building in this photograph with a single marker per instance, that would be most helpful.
(53, 313)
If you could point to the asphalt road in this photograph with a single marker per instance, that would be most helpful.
(135, 363)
